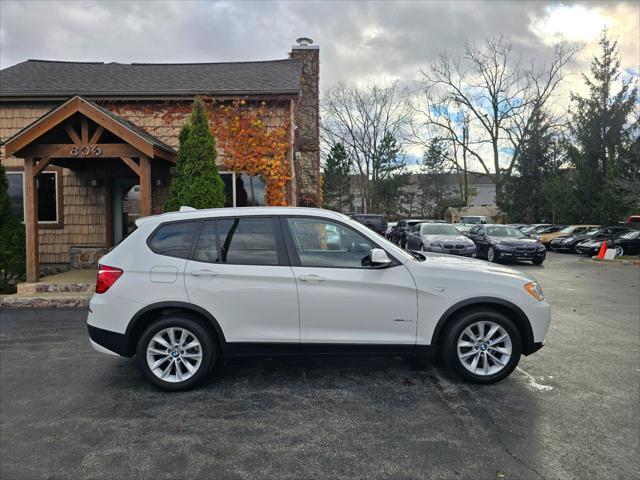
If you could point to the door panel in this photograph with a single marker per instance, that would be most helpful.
(239, 274)
(344, 305)
(341, 298)
(251, 303)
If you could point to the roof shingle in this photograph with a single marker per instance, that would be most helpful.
(39, 78)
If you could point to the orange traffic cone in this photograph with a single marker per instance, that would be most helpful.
(602, 251)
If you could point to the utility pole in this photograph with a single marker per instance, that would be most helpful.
(465, 143)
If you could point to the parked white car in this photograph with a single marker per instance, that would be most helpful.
(187, 290)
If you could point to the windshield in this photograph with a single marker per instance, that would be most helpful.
(438, 229)
(631, 235)
(473, 220)
(505, 232)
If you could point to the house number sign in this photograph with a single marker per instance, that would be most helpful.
(85, 151)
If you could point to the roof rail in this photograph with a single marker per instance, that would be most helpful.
(186, 208)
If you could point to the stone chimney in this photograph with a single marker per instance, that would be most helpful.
(307, 123)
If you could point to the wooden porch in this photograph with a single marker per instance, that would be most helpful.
(81, 135)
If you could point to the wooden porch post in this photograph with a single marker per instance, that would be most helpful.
(145, 186)
(31, 220)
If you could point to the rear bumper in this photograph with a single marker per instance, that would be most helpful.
(106, 341)
(533, 347)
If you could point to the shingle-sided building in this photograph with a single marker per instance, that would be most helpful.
(88, 147)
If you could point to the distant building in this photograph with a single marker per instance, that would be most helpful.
(481, 191)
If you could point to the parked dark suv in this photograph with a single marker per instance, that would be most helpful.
(399, 234)
(374, 222)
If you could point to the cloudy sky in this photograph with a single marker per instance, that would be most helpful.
(358, 40)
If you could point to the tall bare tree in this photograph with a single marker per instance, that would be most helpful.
(483, 104)
(364, 119)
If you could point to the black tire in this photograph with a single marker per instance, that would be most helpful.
(537, 261)
(203, 335)
(455, 329)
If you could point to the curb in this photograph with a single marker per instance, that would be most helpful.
(20, 302)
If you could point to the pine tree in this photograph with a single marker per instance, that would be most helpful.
(195, 178)
(387, 177)
(336, 187)
(12, 239)
(526, 194)
(605, 127)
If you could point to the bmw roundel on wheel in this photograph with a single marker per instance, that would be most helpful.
(187, 290)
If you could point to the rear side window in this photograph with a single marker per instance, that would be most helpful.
(240, 241)
(173, 239)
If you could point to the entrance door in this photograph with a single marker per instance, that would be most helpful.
(126, 207)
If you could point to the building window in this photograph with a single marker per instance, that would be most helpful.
(48, 186)
(242, 190)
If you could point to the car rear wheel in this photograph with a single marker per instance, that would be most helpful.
(176, 353)
(482, 346)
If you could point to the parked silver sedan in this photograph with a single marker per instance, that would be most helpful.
(440, 238)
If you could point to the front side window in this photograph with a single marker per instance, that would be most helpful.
(323, 243)
(47, 188)
(173, 239)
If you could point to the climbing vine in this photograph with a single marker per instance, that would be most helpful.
(255, 142)
(250, 138)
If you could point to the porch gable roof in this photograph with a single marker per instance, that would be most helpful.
(133, 135)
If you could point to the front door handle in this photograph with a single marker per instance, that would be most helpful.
(311, 278)
(203, 273)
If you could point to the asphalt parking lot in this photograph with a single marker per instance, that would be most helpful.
(570, 411)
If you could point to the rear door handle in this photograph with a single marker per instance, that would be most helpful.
(203, 273)
(311, 278)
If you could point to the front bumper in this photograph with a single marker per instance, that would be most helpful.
(453, 251)
(587, 250)
(514, 255)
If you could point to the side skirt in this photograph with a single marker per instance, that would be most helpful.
(260, 349)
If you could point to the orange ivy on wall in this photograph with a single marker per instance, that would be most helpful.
(250, 138)
(255, 142)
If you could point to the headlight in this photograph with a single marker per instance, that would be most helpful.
(567, 240)
(471, 246)
(534, 290)
(541, 248)
(499, 246)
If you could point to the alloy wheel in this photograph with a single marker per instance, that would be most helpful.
(491, 254)
(174, 354)
(484, 348)
(619, 251)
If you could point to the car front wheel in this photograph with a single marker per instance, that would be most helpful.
(176, 353)
(482, 346)
(491, 254)
(619, 251)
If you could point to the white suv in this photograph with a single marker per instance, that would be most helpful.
(189, 289)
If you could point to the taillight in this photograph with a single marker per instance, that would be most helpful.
(107, 276)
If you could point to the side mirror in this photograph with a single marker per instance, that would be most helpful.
(378, 258)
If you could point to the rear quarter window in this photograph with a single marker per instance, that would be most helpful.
(173, 239)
